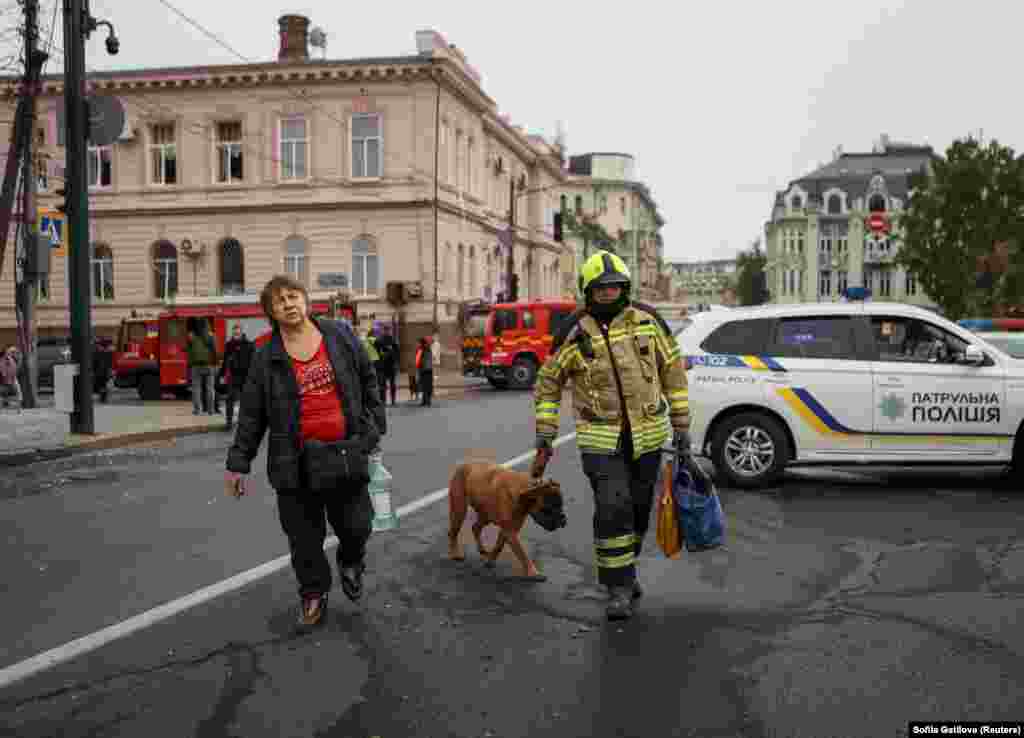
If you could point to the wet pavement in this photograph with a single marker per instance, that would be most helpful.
(846, 603)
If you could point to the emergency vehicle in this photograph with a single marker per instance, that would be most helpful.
(150, 351)
(518, 338)
(856, 383)
(473, 326)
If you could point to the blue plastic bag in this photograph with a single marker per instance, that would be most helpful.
(701, 518)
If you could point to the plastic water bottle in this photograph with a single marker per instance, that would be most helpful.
(384, 517)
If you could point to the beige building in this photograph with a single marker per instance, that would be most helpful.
(837, 228)
(224, 176)
(602, 188)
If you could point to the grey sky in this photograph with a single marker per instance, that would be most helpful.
(720, 103)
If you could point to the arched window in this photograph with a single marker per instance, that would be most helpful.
(165, 264)
(232, 267)
(296, 260)
(460, 283)
(579, 204)
(563, 203)
(365, 267)
(796, 203)
(102, 263)
(876, 204)
(835, 205)
(474, 273)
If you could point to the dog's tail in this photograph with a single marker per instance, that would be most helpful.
(458, 504)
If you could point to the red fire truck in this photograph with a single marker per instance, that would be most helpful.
(518, 338)
(150, 351)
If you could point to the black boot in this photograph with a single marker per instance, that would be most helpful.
(620, 603)
(352, 581)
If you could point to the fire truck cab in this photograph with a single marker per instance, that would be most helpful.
(518, 338)
(150, 351)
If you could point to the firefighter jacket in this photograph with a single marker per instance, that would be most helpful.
(630, 372)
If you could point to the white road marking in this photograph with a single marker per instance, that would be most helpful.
(80, 646)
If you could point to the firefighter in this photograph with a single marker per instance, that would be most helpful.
(629, 392)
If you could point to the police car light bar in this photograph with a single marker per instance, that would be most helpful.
(989, 325)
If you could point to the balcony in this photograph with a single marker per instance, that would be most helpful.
(879, 257)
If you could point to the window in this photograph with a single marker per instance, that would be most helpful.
(366, 148)
(741, 337)
(835, 205)
(229, 152)
(100, 166)
(294, 148)
(165, 263)
(42, 175)
(102, 272)
(825, 284)
(365, 267)
(911, 284)
(474, 271)
(622, 205)
(909, 339)
(563, 203)
(796, 203)
(529, 321)
(163, 154)
(830, 337)
(842, 281)
(295, 261)
(884, 283)
(579, 204)
(442, 150)
(505, 320)
(876, 204)
(825, 245)
(232, 267)
(43, 288)
(470, 179)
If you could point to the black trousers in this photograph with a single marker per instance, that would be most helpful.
(623, 498)
(426, 385)
(304, 517)
(234, 397)
(387, 377)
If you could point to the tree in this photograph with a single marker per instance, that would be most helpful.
(751, 282)
(971, 201)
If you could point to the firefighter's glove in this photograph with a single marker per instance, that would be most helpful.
(543, 456)
(681, 443)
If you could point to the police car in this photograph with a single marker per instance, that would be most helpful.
(857, 382)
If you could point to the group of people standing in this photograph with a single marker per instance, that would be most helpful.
(384, 353)
(201, 351)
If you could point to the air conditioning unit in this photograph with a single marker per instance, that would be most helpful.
(190, 249)
(414, 289)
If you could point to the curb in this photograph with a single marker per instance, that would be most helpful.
(23, 458)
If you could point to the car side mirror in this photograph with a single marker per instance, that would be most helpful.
(973, 356)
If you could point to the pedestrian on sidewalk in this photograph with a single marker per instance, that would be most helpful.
(630, 394)
(425, 370)
(314, 388)
(387, 364)
(9, 382)
(201, 352)
(235, 369)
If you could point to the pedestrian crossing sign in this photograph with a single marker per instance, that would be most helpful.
(53, 225)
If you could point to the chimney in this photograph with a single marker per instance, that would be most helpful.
(294, 34)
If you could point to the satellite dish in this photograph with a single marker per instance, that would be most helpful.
(318, 39)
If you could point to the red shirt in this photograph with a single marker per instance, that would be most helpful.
(321, 415)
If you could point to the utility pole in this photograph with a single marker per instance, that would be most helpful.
(75, 28)
(25, 297)
(437, 154)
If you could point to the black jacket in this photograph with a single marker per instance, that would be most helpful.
(387, 347)
(237, 359)
(270, 401)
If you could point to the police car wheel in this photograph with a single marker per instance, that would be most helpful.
(750, 450)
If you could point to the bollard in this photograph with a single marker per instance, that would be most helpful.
(384, 517)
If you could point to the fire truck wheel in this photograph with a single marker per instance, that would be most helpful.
(149, 387)
(523, 374)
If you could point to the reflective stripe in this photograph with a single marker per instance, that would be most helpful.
(616, 562)
(626, 539)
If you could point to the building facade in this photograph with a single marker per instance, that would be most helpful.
(838, 227)
(709, 282)
(602, 188)
(324, 169)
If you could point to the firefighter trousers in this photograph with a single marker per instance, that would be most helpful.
(623, 498)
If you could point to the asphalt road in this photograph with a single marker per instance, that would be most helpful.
(845, 604)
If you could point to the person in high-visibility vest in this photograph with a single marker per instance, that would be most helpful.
(630, 394)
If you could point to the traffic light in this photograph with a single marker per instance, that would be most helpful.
(513, 288)
(65, 196)
(558, 227)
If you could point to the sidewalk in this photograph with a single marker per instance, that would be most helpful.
(44, 433)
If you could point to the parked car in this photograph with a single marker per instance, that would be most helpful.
(855, 383)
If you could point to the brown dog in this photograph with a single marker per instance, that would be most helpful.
(503, 498)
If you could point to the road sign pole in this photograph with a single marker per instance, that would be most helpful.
(82, 420)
